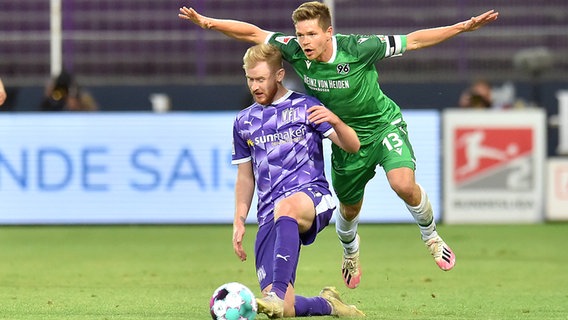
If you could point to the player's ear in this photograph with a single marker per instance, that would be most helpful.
(329, 31)
(280, 74)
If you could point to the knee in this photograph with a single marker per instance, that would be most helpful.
(403, 183)
(406, 189)
(350, 212)
(402, 189)
(285, 208)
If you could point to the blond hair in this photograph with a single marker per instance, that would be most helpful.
(263, 52)
(313, 10)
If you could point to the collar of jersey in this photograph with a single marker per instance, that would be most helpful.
(284, 97)
(334, 43)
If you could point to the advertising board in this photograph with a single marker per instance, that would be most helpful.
(493, 166)
(105, 168)
(557, 189)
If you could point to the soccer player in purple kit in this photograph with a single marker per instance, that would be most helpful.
(277, 145)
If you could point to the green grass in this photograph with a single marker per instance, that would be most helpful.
(169, 272)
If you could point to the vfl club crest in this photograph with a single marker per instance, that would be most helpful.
(289, 115)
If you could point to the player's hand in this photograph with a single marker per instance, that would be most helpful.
(2, 93)
(2, 97)
(319, 114)
(477, 22)
(238, 235)
(192, 15)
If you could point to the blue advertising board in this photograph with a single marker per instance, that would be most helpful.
(113, 168)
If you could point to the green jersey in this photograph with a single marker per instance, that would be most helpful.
(348, 83)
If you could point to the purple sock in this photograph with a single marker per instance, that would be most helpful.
(313, 306)
(286, 251)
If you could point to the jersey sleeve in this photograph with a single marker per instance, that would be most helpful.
(376, 47)
(324, 128)
(395, 45)
(241, 152)
(288, 45)
(328, 132)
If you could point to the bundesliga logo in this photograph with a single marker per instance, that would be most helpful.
(493, 158)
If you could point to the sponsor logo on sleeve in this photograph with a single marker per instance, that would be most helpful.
(284, 40)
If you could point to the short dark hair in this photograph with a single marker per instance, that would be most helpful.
(313, 10)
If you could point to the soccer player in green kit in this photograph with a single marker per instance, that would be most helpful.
(340, 71)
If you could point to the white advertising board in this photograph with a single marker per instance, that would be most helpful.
(493, 166)
(562, 96)
(557, 189)
(111, 168)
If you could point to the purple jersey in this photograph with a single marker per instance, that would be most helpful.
(285, 148)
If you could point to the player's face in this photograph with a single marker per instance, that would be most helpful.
(315, 41)
(263, 82)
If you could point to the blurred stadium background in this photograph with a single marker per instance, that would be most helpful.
(143, 42)
(111, 44)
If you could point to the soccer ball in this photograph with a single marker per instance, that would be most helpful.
(233, 301)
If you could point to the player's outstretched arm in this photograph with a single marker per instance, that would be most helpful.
(235, 29)
(344, 136)
(428, 37)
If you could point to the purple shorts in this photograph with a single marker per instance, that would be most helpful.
(266, 235)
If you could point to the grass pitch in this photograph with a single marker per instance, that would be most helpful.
(169, 272)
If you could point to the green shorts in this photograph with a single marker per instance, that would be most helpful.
(351, 172)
